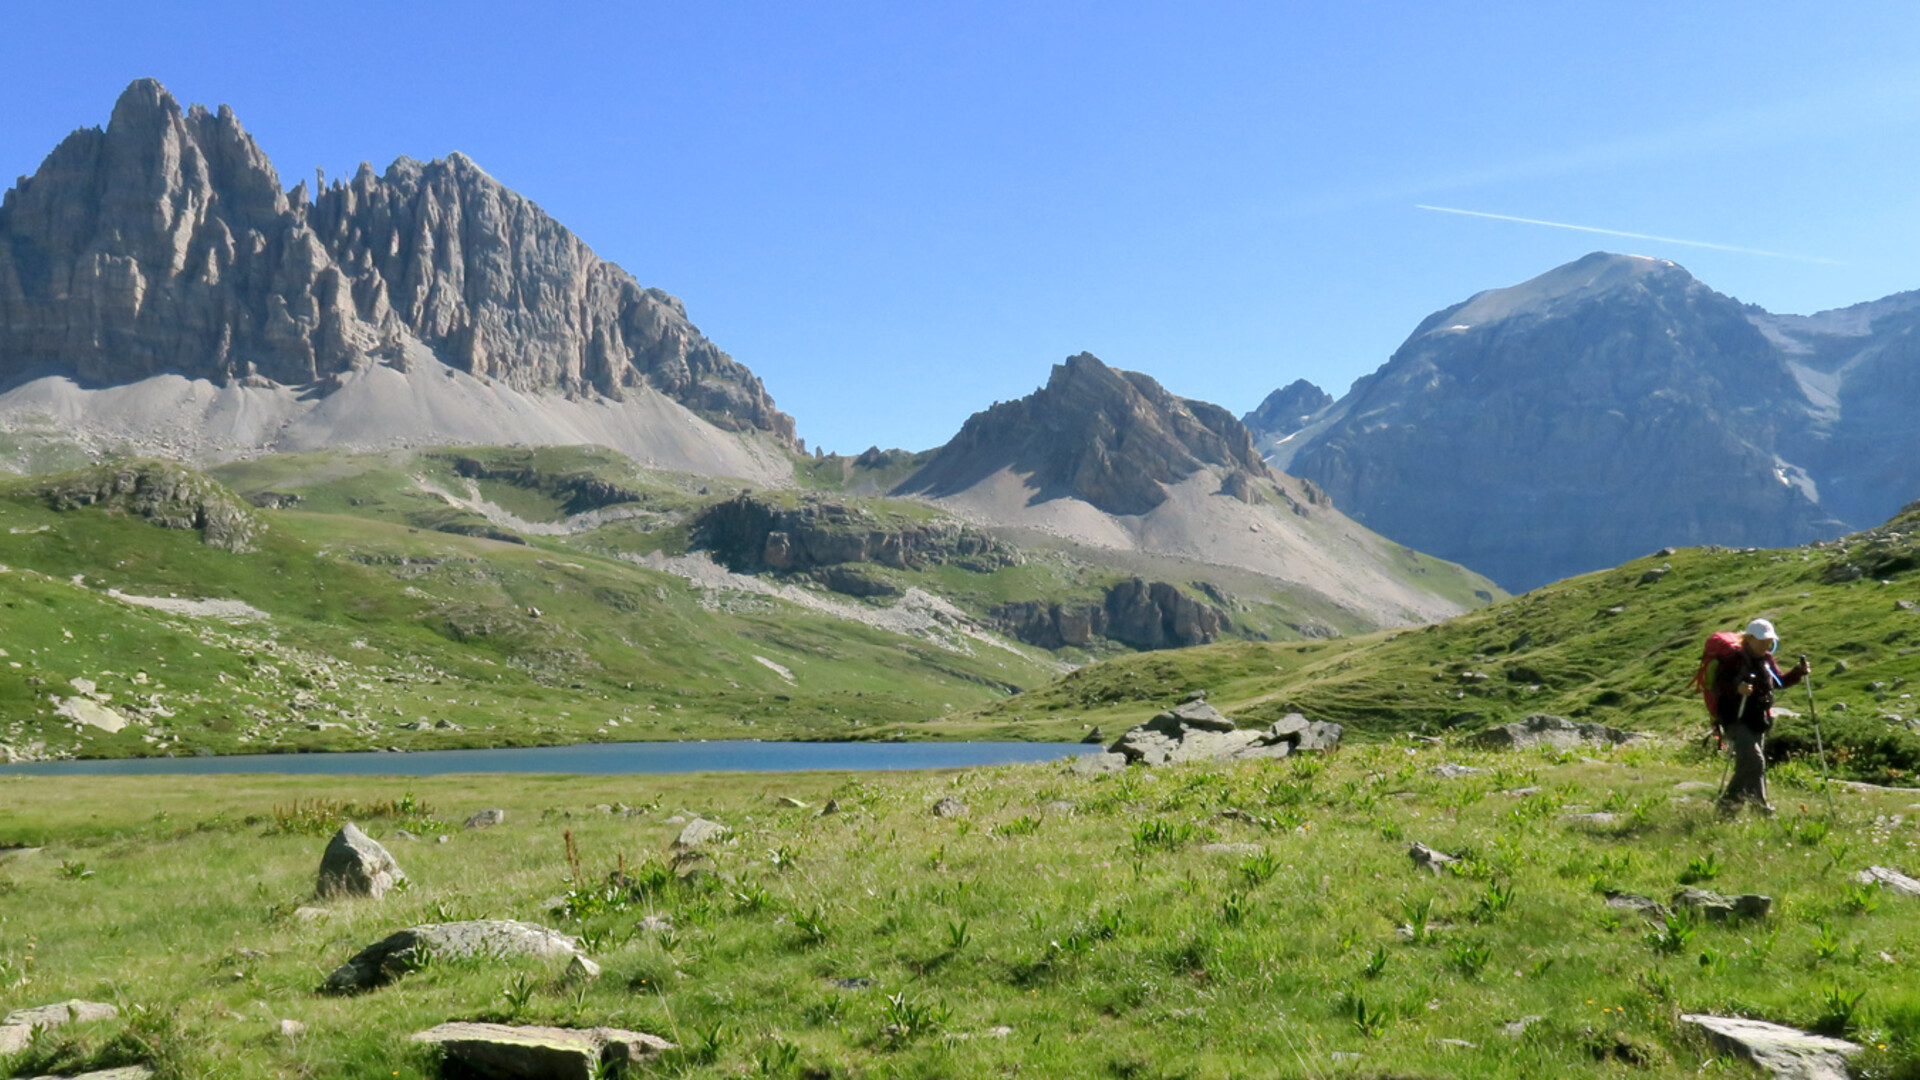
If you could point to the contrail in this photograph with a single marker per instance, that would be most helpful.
(1631, 235)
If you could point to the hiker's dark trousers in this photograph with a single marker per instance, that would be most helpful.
(1749, 780)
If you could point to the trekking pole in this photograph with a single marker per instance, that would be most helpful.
(1819, 743)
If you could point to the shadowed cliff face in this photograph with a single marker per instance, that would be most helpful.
(1603, 410)
(165, 243)
(1110, 438)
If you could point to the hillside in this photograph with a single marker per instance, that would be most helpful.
(1619, 646)
(1109, 460)
(1610, 407)
(498, 596)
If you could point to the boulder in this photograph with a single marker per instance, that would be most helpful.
(486, 819)
(1783, 1052)
(1558, 732)
(700, 831)
(356, 864)
(949, 807)
(1426, 858)
(1645, 906)
(1889, 878)
(1196, 731)
(1719, 908)
(507, 1052)
(124, 1072)
(397, 954)
(16, 1029)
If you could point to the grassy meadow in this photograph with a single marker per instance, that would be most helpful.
(1251, 920)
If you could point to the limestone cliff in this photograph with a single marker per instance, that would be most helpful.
(165, 243)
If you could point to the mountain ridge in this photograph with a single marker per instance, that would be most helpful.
(164, 244)
(1612, 406)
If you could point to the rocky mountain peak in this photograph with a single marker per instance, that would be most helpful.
(1287, 409)
(165, 243)
(1587, 279)
(1108, 437)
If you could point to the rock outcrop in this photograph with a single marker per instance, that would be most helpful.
(167, 495)
(526, 1052)
(1145, 615)
(356, 864)
(1573, 422)
(1543, 729)
(18, 1026)
(747, 534)
(1196, 731)
(1111, 438)
(1287, 410)
(165, 243)
(405, 951)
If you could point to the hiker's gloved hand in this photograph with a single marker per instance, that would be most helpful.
(1746, 688)
(1802, 669)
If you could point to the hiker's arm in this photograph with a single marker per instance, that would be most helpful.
(1800, 671)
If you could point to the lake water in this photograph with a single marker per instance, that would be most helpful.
(589, 758)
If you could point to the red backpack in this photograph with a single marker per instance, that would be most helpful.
(1720, 648)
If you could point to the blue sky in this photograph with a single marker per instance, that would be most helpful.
(897, 213)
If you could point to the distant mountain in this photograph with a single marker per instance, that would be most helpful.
(165, 247)
(1109, 460)
(1613, 406)
(1288, 409)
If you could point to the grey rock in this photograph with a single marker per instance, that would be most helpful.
(121, 1073)
(1720, 908)
(17, 1028)
(1646, 906)
(1783, 1052)
(124, 1072)
(309, 913)
(582, 969)
(1654, 575)
(1598, 819)
(699, 832)
(1513, 1029)
(949, 806)
(1096, 764)
(292, 1029)
(1558, 732)
(1450, 771)
(790, 803)
(399, 953)
(486, 819)
(508, 1052)
(1196, 731)
(1889, 878)
(356, 864)
(1426, 858)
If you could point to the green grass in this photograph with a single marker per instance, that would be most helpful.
(1608, 647)
(1089, 916)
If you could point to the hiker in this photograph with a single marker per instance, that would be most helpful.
(1741, 684)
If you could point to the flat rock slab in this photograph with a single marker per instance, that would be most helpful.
(1784, 1052)
(16, 1029)
(508, 1052)
(1558, 732)
(121, 1073)
(1720, 908)
(486, 819)
(1890, 878)
(1450, 771)
(397, 954)
(1640, 905)
(124, 1072)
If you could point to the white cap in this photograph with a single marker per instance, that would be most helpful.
(1762, 629)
